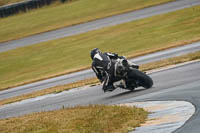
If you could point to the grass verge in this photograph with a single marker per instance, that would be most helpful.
(67, 14)
(57, 57)
(145, 67)
(89, 119)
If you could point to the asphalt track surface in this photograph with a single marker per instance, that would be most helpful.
(69, 78)
(100, 23)
(180, 83)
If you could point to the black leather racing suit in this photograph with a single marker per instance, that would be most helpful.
(103, 66)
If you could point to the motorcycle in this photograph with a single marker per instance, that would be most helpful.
(128, 76)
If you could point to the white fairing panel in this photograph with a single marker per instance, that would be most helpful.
(97, 56)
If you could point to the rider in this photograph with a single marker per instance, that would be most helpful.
(103, 66)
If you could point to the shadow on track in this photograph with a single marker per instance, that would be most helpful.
(127, 93)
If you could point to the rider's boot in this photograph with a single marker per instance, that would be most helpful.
(121, 84)
(109, 88)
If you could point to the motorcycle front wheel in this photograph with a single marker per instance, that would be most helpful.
(143, 79)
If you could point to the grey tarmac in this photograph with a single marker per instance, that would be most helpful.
(97, 24)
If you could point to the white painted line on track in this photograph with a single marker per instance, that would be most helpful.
(165, 116)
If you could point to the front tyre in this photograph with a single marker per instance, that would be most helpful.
(143, 79)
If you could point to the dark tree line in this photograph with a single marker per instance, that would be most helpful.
(12, 9)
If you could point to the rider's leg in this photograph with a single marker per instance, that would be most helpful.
(108, 82)
(107, 85)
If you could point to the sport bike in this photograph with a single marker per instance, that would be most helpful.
(128, 76)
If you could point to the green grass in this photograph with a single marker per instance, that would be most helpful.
(89, 119)
(55, 57)
(62, 15)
